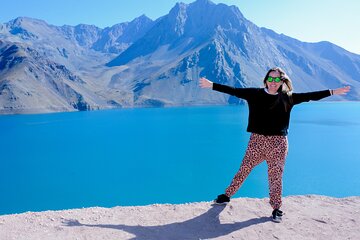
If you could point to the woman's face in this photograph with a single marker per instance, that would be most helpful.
(273, 86)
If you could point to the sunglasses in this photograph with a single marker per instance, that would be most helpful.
(274, 79)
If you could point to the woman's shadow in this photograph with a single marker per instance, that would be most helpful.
(205, 226)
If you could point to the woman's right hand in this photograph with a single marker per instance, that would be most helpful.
(205, 83)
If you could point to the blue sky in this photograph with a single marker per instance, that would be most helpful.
(336, 21)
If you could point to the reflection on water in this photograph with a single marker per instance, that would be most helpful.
(328, 122)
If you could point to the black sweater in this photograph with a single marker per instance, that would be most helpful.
(268, 114)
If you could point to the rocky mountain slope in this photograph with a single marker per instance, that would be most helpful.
(45, 68)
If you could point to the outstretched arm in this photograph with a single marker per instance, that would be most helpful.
(340, 91)
(314, 96)
(245, 93)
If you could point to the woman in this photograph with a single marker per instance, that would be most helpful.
(269, 115)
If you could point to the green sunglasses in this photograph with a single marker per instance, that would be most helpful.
(274, 79)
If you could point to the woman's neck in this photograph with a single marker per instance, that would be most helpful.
(271, 93)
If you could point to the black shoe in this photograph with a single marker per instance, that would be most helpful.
(222, 199)
(277, 215)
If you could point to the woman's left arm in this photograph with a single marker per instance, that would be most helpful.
(314, 96)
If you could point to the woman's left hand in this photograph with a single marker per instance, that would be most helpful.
(341, 91)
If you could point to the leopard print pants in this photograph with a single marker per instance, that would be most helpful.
(272, 148)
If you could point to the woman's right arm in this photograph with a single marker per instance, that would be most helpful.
(238, 92)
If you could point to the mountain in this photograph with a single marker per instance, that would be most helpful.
(119, 37)
(32, 83)
(186, 26)
(229, 49)
(46, 68)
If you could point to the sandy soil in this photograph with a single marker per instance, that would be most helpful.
(306, 217)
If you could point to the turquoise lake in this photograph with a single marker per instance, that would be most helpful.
(167, 155)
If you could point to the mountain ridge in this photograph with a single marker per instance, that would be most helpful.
(146, 63)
